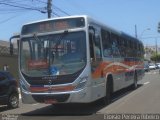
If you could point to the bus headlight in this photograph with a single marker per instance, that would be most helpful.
(82, 83)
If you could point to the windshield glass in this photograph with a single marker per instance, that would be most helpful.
(57, 54)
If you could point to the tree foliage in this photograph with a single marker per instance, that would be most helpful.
(155, 57)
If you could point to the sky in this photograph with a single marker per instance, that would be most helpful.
(121, 15)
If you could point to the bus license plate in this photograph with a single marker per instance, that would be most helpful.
(50, 101)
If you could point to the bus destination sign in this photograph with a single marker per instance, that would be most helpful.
(53, 25)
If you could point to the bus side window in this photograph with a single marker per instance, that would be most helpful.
(107, 49)
(97, 47)
(91, 46)
(95, 44)
(115, 46)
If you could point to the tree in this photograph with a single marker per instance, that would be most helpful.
(155, 57)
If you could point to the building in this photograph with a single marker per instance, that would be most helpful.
(150, 50)
(6, 59)
(153, 48)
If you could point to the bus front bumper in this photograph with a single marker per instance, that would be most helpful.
(78, 96)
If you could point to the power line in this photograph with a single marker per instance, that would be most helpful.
(56, 14)
(6, 20)
(3, 21)
(41, 1)
(27, 8)
(21, 7)
(11, 12)
(61, 10)
(15, 3)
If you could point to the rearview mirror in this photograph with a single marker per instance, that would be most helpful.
(11, 44)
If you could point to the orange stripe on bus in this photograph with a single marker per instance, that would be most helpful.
(100, 71)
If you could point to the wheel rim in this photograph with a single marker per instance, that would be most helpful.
(13, 101)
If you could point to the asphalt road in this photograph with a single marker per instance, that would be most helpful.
(144, 100)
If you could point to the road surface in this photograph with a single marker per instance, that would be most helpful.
(144, 100)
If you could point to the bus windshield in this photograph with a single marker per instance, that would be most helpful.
(56, 54)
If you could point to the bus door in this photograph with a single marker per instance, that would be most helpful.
(95, 52)
(96, 61)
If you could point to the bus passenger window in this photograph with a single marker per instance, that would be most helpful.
(91, 46)
(115, 46)
(107, 44)
(97, 47)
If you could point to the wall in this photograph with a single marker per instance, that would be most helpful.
(12, 62)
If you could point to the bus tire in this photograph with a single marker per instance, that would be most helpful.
(13, 101)
(107, 98)
(135, 85)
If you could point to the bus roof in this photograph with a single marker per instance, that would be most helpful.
(120, 33)
(117, 32)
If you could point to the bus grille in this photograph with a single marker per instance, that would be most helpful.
(58, 98)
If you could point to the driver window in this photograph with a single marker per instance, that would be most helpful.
(95, 46)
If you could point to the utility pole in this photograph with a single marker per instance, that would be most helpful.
(136, 31)
(49, 8)
(156, 41)
(158, 27)
(156, 48)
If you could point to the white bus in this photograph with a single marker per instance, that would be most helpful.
(76, 59)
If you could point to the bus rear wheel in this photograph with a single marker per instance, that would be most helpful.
(107, 98)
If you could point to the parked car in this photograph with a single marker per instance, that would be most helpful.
(152, 66)
(9, 94)
(158, 65)
(146, 68)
